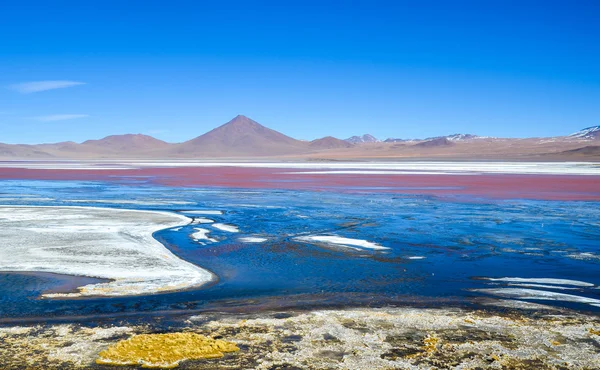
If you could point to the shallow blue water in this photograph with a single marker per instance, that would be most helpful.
(461, 241)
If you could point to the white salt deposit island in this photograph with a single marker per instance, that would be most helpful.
(112, 244)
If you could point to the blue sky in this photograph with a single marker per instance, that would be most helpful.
(75, 70)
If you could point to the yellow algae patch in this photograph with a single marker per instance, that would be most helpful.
(430, 343)
(595, 332)
(430, 346)
(163, 350)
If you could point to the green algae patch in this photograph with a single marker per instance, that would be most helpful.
(163, 350)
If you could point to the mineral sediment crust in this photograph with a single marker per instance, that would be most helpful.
(385, 338)
(164, 350)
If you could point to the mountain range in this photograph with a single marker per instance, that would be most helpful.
(243, 137)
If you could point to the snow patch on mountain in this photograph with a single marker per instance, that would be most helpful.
(456, 137)
(453, 137)
(589, 133)
(366, 138)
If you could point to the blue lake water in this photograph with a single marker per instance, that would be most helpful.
(439, 250)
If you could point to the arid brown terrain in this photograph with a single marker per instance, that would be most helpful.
(244, 138)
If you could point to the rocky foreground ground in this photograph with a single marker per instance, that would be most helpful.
(385, 338)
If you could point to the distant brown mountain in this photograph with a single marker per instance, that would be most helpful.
(329, 142)
(590, 150)
(22, 151)
(244, 138)
(66, 147)
(435, 143)
(240, 137)
(128, 142)
(128, 145)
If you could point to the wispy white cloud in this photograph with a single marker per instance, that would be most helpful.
(59, 117)
(37, 86)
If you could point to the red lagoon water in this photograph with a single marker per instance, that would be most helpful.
(498, 186)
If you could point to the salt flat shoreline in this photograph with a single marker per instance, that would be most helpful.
(416, 167)
(106, 243)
